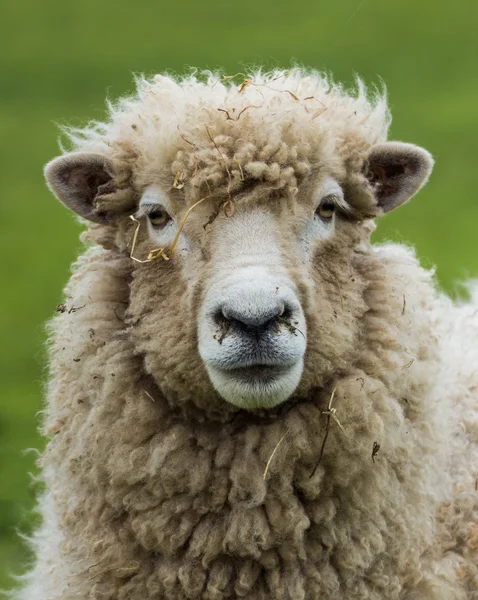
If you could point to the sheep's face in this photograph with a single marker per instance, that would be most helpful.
(259, 295)
(253, 295)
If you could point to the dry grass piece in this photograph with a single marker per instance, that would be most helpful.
(375, 449)
(178, 182)
(186, 139)
(331, 413)
(228, 212)
(228, 116)
(134, 567)
(292, 328)
(196, 157)
(402, 367)
(231, 77)
(240, 169)
(268, 464)
(160, 252)
(148, 395)
(218, 151)
(153, 254)
(317, 113)
(247, 108)
(247, 82)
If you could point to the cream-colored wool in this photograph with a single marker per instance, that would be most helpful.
(155, 485)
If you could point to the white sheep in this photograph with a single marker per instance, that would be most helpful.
(247, 399)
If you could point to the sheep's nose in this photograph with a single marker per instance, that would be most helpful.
(255, 320)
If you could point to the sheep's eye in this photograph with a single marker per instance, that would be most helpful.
(326, 209)
(159, 218)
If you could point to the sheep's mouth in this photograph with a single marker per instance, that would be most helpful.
(256, 385)
(260, 372)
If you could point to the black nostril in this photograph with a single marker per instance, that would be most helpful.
(251, 319)
(286, 313)
(220, 317)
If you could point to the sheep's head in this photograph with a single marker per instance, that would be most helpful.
(262, 201)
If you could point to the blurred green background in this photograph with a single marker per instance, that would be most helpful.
(60, 58)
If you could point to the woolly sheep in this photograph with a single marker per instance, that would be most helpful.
(260, 403)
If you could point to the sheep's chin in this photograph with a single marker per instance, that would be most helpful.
(242, 389)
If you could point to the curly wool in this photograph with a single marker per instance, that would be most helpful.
(155, 489)
(274, 129)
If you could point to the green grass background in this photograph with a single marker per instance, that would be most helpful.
(58, 60)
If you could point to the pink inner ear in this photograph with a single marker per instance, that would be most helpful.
(385, 179)
(79, 180)
(86, 180)
(396, 171)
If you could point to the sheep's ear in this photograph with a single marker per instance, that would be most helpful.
(77, 179)
(396, 172)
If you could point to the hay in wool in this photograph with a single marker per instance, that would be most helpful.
(156, 487)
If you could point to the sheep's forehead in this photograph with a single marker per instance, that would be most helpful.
(208, 150)
(218, 136)
(261, 124)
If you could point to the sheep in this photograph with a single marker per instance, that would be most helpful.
(247, 399)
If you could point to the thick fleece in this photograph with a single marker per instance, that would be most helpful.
(156, 488)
